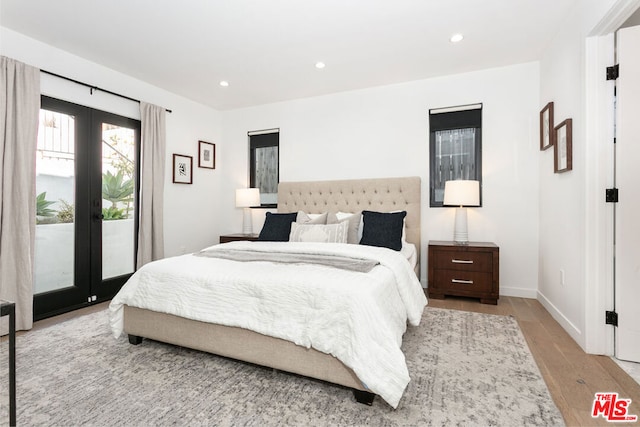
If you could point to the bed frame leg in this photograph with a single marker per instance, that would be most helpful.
(134, 339)
(364, 397)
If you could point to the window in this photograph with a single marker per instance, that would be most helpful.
(455, 148)
(264, 164)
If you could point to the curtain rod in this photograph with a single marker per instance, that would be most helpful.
(92, 87)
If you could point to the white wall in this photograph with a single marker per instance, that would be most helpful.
(383, 132)
(565, 199)
(542, 221)
(190, 210)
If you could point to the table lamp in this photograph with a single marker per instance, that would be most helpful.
(461, 193)
(246, 198)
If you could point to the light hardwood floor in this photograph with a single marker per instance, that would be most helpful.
(572, 376)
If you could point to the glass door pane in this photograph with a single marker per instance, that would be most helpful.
(118, 202)
(55, 202)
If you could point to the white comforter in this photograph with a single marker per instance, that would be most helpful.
(357, 317)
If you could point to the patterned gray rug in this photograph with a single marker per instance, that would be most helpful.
(466, 369)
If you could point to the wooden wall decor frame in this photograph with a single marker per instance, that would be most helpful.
(182, 169)
(547, 130)
(206, 155)
(563, 147)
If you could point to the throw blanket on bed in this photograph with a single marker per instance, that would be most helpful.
(248, 255)
(357, 317)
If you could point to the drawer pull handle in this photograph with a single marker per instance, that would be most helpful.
(462, 261)
(464, 282)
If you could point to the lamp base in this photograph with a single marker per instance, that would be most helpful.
(460, 233)
(247, 223)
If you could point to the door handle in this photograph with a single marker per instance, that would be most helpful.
(98, 217)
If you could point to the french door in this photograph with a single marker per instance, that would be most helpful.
(627, 230)
(86, 219)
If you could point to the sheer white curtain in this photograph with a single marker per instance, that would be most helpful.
(152, 162)
(19, 110)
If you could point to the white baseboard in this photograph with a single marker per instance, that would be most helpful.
(518, 292)
(512, 292)
(566, 324)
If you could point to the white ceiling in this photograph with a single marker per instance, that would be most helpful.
(267, 49)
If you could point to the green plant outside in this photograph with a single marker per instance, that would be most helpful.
(112, 213)
(42, 205)
(117, 189)
(66, 213)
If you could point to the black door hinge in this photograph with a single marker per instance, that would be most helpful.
(613, 72)
(611, 195)
(611, 318)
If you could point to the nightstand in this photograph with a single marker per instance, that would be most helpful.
(238, 236)
(471, 270)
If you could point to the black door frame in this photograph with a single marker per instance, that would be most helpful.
(88, 287)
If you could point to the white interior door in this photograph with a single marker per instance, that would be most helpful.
(627, 251)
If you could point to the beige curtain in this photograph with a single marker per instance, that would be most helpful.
(19, 111)
(150, 233)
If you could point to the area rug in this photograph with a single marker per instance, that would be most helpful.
(466, 369)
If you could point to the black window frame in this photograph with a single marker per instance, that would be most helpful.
(261, 139)
(451, 118)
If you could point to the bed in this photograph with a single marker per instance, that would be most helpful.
(165, 325)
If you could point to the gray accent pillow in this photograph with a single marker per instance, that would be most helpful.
(305, 218)
(353, 219)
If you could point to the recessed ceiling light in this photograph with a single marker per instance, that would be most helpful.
(320, 65)
(456, 38)
(224, 83)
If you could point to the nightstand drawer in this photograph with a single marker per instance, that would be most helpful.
(471, 270)
(226, 238)
(464, 261)
(465, 281)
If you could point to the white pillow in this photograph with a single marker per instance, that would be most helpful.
(305, 218)
(410, 253)
(324, 233)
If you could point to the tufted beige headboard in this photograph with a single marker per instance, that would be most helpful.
(378, 194)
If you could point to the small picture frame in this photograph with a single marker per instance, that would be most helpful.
(563, 150)
(206, 155)
(182, 169)
(547, 134)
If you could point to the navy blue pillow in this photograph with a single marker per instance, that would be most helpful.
(277, 227)
(383, 229)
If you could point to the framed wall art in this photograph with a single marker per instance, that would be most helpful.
(547, 134)
(563, 150)
(206, 155)
(182, 169)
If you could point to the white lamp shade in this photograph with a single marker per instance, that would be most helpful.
(461, 193)
(247, 197)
